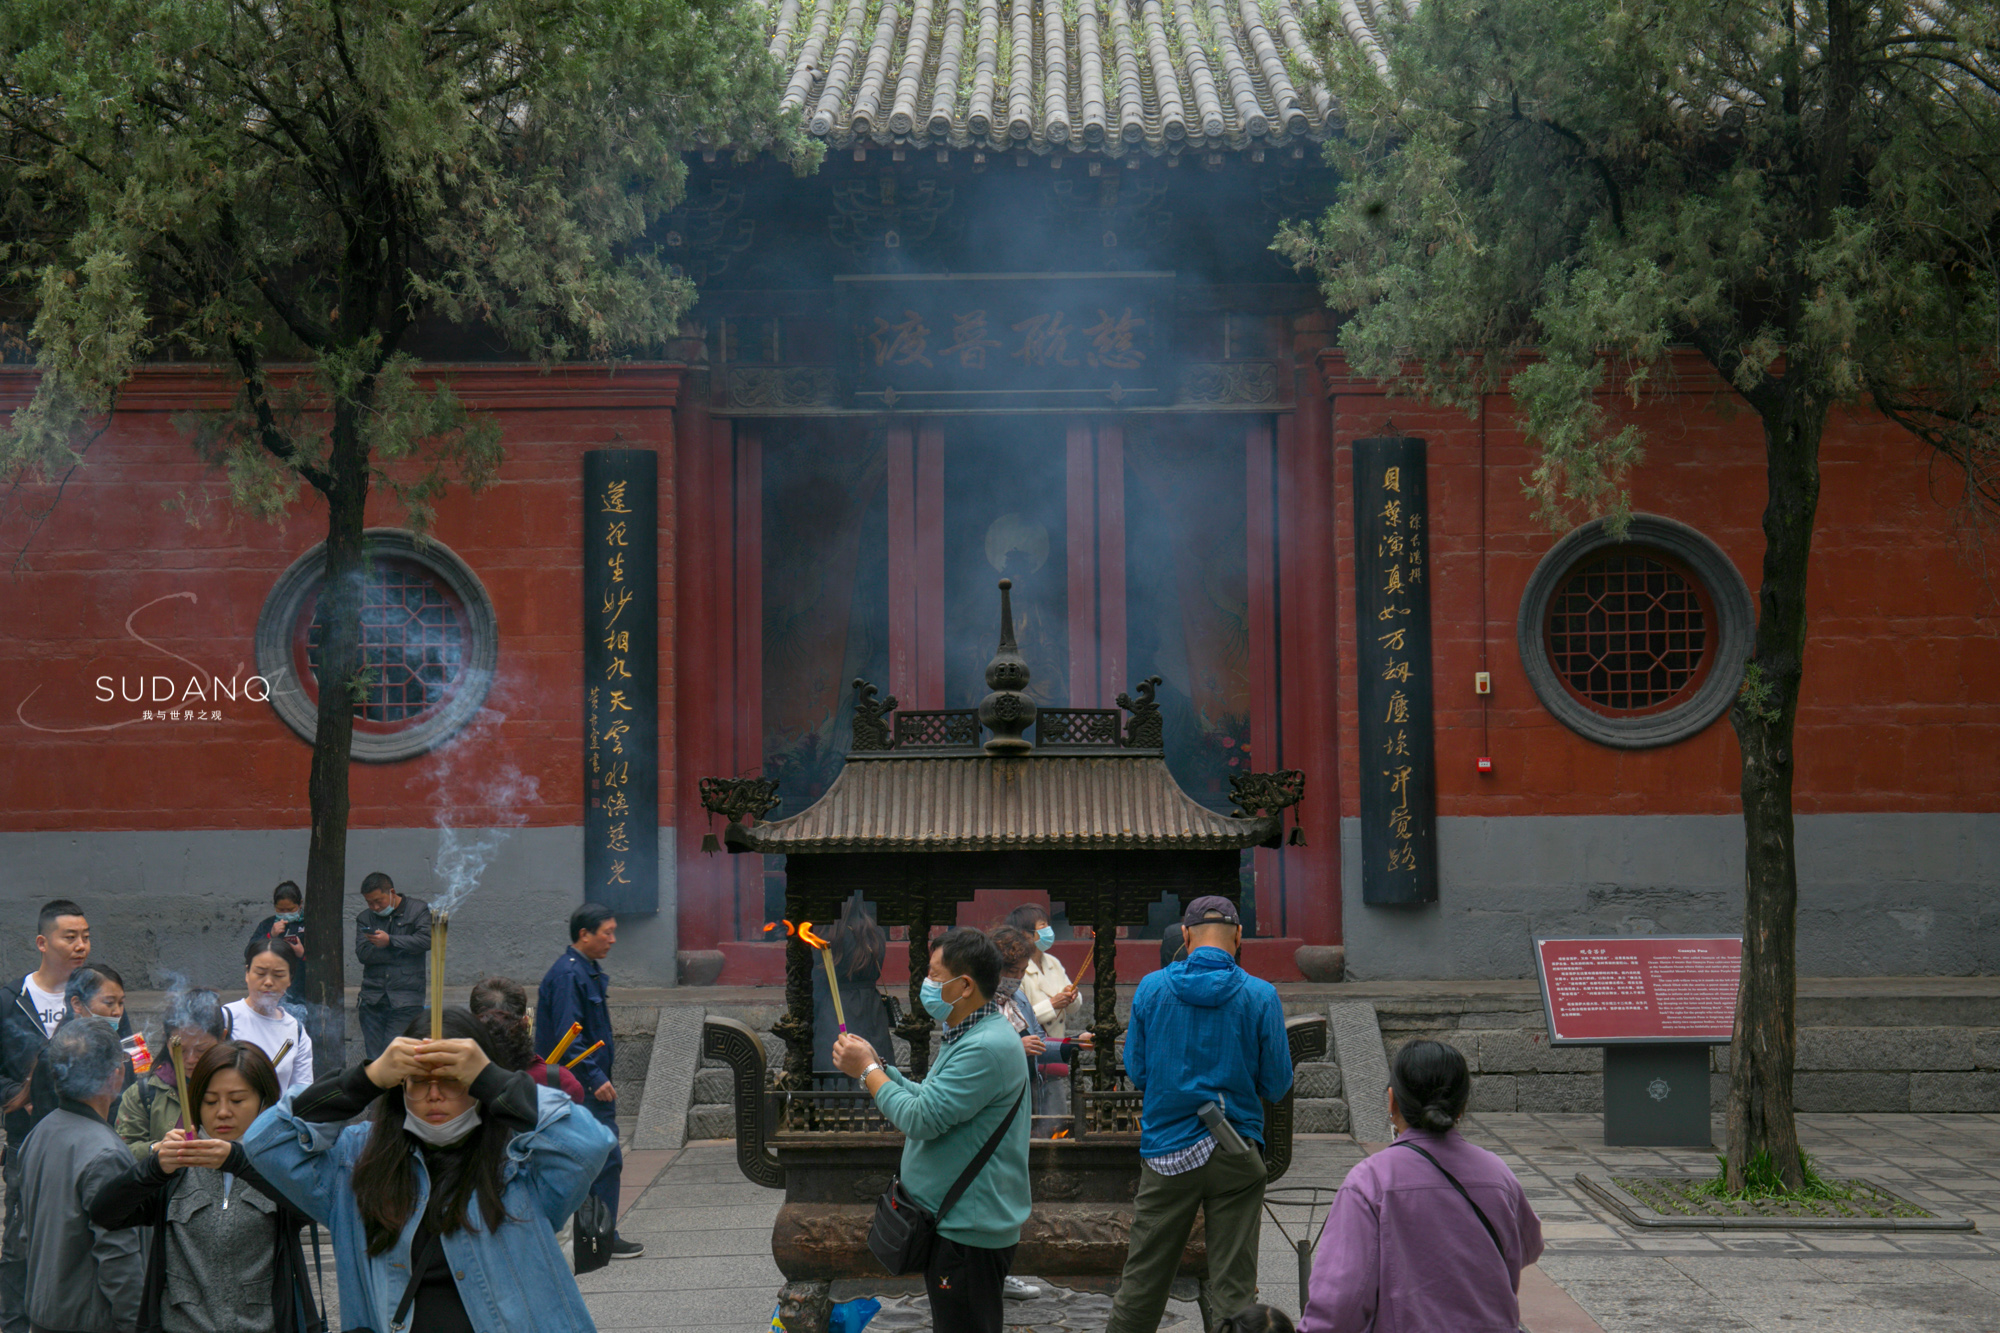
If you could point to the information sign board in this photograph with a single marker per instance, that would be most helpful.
(1653, 988)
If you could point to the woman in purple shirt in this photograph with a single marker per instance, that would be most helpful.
(1430, 1233)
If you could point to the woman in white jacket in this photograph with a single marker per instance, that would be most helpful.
(260, 1017)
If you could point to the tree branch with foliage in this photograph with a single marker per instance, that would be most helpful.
(288, 189)
(1544, 197)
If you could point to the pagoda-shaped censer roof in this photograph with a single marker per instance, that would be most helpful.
(1092, 780)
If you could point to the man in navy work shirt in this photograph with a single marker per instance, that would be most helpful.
(577, 991)
(1203, 1030)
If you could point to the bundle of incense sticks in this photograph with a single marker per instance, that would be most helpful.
(438, 926)
(283, 1051)
(820, 943)
(585, 1054)
(181, 1084)
(555, 1052)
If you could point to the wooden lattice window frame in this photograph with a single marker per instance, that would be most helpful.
(1727, 611)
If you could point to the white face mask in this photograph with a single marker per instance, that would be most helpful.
(445, 1134)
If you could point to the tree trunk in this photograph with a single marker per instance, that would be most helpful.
(327, 789)
(1765, 1040)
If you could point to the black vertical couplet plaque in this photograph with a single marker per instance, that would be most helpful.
(1392, 575)
(621, 679)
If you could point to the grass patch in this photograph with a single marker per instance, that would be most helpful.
(1764, 1195)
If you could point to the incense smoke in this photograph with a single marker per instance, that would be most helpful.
(501, 796)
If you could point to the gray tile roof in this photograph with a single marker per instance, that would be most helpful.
(1111, 76)
(987, 804)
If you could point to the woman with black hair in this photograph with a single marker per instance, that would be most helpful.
(1433, 1236)
(859, 949)
(443, 1206)
(261, 1018)
(225, 1254)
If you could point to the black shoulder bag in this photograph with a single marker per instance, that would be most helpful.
(1477, 1211)
(903, 1231)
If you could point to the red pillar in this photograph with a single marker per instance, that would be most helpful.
(1111, 563)
(702, 923)
(747, 679)
(902, 566)
(1311, 647)
(1261, 567)
(1080, 527)
(930, 566)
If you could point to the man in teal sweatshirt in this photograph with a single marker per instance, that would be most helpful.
(978, 1077)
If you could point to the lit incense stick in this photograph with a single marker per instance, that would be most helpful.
(826, 956)
(181, 1082)
(438, 927)
(588, 1051)
(283, 1051)
(555, 1052)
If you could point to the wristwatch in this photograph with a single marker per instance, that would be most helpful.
(871, 1069)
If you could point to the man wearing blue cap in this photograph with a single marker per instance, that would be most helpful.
(1203, 1030)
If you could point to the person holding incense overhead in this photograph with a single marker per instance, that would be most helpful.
(151, 1108)
(857, 948)
(261, 1018)
(224, 1253)
(393, 941)
(576, 994)
(443, 1202)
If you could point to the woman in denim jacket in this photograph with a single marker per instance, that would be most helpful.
(442, 1206)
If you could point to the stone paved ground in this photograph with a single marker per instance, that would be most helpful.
(708, 1265)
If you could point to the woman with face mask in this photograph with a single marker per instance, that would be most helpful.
(1048, 1057)
(225, 1255)
(151, 1107)
(443, 1204)
(261, 1018)
(1045, 983)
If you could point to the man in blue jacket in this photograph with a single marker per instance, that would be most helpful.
(1203, 1030)
(576, 991)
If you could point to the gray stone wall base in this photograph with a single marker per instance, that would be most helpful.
(1879, 894)
(663, 1119)
(1364, 1068)
(175, 907)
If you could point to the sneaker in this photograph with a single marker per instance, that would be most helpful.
(626, 1249)
(1014, 1289)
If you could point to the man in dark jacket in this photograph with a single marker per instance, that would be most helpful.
(81, 1278)
(576, 991)
(31, 1009)
(393, 941)
(1203, 1030)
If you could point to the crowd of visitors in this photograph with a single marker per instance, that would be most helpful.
(442, 1169)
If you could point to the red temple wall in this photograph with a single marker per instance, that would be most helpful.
(119, 540)
(1901, 699)
(1902, 694)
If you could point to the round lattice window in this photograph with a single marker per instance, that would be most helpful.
(1628, 632)
(427, 645)
(412, 644)
(1638, 640)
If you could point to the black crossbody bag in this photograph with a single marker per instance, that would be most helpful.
(903, 1231)
(1477, 1211)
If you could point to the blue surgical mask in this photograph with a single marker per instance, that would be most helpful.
(1045, 937)
(932, 995)
(289, 917)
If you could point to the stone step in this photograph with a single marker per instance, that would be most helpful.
(1316, 1080)
(1319, 1115)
